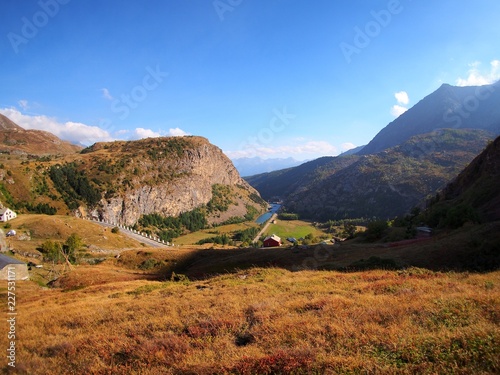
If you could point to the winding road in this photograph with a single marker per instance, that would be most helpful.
(135, 236)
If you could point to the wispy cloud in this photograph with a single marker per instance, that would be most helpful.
(79, 133)
(476, 77)
(74, 132)
(299, 150)
(347, 146)
(106, 94)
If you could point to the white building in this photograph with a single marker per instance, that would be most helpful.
(7, 214)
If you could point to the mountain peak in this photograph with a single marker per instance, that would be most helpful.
(447, 107)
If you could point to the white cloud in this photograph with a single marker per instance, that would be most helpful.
(176, 132)
(74, 132)
(477, 78)
(80, 133)
(402, 97)
(398, 110)
(140, 133)
(106, 94)
(347, 146)
(299, 151)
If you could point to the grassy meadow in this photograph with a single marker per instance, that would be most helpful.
(263, 321)
(195, 310)
(293, 228)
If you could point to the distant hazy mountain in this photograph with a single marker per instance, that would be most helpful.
(283, 183)
(256, 165)
(475, 107)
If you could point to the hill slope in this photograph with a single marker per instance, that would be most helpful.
(476, 190)
(448, 107)
(282, 183)
(256, 165)
(15, 139)
(121, 181)
(384, 185)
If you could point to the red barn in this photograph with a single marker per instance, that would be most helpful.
(272, 241)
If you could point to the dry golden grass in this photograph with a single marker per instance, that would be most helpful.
(59, 228)
(263, 321)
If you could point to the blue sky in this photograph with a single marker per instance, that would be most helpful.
(269, 78)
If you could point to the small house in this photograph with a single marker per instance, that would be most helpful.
(12, 269)
(272, 241)
(7, 214)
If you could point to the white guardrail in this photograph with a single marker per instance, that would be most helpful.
(131, 230)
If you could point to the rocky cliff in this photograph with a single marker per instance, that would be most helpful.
(121, 181)
(167, 176)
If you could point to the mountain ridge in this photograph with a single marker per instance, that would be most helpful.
(390, 183)
(18, 140)
(447, 107)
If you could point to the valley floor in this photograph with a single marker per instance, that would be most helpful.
(260, 321)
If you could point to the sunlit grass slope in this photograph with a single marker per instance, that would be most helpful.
(264, 321)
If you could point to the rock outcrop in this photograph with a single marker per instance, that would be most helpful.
(167, 176)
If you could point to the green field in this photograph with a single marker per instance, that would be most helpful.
(293, 228)
(193, 238)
